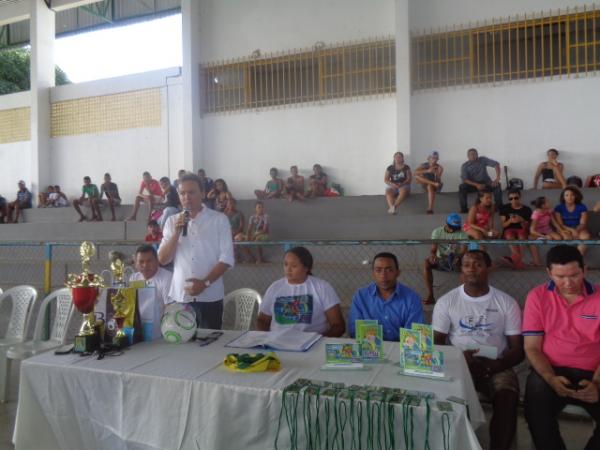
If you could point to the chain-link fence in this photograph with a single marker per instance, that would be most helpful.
(346, 265)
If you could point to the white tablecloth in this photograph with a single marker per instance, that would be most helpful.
(166, 396)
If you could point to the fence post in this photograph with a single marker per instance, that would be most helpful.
(47, 287)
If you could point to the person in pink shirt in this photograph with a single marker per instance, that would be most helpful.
(561, 326)
(150, 193)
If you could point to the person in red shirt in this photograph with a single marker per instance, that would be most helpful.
(561, 325)
(154, 232)
(150, 193)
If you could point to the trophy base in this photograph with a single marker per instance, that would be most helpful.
(120, 341)
(86, 344)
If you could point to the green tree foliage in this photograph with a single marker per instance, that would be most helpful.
(14, 71)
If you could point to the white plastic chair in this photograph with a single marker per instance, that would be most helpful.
(23, 299)
(58, 334)
(246, 302)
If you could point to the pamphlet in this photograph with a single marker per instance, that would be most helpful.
(342, 353)
(370, 341)
(286, 340)
(417, 356)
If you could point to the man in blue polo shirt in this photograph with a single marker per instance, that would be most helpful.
(386, 300)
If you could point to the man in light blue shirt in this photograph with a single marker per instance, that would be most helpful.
(394, 305)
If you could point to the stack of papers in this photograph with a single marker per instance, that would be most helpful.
(288, 340)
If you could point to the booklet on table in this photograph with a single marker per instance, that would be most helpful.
(288, 340)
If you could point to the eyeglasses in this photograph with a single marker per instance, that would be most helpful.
(513, 198)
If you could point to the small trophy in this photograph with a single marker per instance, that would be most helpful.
(120, 339)
(119, 273)
(85, 289)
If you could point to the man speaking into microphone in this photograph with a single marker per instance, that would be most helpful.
(198, 241)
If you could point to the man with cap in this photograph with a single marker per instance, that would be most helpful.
(444, 257)
(23, 201)
(429, 175)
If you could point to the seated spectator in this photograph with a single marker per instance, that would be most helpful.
(398, 178)
(593, 181)
(146, 264)
(171, 204)
(515, 219)
(273, 188)
(220, 195)
(3, 209)
(562, 330)
(150, 193)
(207, 186)
(480, 222)
(551, 172)
(301, 301)
(258, 231)
(43, 197)
(571, 216)
(485, 323)
(90, 196)
(236, 220)
(429, 175)
(386, 300)
(543, 224)
(444, 257)
(317, 182)
(154, 233)
(574, 180)
(111, 191)
(294, 187)
(57, 198)
(177, 180)
(23, 201)
(475, 178)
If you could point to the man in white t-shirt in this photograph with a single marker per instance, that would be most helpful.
(146, 262)
(486, 324)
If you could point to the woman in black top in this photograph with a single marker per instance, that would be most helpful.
(397, 178)
(551, 172)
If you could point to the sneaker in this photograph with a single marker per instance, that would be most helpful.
(392, 210)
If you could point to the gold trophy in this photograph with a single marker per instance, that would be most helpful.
(118, 301)
(85, 288)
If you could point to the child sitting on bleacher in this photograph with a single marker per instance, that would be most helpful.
(258, 231)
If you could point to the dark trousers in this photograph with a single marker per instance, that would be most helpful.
(542, 406)
(209, 314)
(465, 189)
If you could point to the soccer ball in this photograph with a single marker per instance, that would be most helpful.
(178, 326)
(176, 306)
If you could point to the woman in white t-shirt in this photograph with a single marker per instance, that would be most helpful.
(301, 301)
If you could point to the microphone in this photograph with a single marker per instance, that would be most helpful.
(186, 215)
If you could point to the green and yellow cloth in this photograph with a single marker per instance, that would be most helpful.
(252, 362)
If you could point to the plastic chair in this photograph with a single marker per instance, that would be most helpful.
(58, 334)
(23, 298)
(246, 302)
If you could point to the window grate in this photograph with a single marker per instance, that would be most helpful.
(321, 74)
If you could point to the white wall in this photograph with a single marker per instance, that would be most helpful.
(125, 153)
(15, 157)
(352, 141)
(514, 124)
(232, 29)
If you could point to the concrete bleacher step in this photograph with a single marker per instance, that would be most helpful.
(351, 218)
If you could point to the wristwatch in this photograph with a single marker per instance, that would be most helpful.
(206, 283)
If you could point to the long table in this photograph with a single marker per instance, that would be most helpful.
(167, 396)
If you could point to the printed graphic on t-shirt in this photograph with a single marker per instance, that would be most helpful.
(294, 309)
(472, 325)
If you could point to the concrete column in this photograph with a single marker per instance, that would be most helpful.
(403, 78)
(192, 121)
(42, 32)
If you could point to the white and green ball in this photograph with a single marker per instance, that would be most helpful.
(178, 326)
